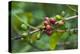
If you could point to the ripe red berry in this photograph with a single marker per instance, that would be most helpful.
(48, 27)
(46, 23)
(52, 20)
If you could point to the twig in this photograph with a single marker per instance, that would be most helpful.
(19, 37)
(72, 17)
(34, 31)
(58, 30)
(74, 29)
(69, 18)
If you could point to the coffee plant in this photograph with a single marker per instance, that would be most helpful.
(43, 27)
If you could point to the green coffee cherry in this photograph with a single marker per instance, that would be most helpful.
(24, 34)
(23, 26)
(63, 13)
(58, 17)
(22, 38)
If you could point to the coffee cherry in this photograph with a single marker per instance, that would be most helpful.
(58, 17)
(48, 27)
(61, 22)
(46, 18)
(49, 32)
(52, 20)
(23, 26)
(46, 23)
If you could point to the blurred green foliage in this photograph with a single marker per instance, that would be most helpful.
(25, 14)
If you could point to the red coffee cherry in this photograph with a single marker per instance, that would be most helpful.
(49, 32)
(61, 22)
(48, 27)
(46, 23)
(52, 20)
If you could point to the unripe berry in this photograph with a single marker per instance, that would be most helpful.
(48, 27)
(52, 20)
(23, 26)
(58, 17)
(46, 23)
(61, 22)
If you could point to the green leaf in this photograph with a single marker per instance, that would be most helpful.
(15, 23)
(28, 16)
(54, 39)
(22, 19)
(65, 36)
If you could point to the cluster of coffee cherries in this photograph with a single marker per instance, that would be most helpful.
(48, 22)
